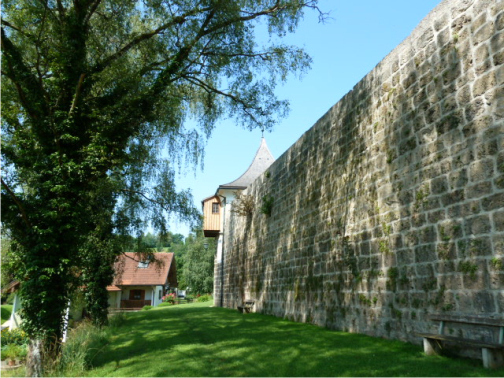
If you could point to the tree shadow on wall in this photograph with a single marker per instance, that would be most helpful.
(370, 220)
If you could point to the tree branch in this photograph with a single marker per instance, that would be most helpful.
(30, 93)
(91, 11)
(161, 204)
(17, 202)
(61, 9)
(179, 20)
(8, 24)
(77, 92)
(245, 107)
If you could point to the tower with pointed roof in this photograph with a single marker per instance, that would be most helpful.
(212, 206)
(217, 209)
(262, 160)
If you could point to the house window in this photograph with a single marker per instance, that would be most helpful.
(160, 294)
(137, 295)
(215, 208)
(143, 264)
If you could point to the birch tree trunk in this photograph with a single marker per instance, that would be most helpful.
(34, 359)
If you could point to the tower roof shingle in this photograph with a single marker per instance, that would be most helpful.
(262, 160)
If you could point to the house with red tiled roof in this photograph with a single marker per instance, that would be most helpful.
(139, 283)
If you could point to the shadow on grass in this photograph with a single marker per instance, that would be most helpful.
(201, 341)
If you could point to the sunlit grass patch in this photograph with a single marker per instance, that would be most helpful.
(199, 340)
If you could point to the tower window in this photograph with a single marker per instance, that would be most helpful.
(215, 208)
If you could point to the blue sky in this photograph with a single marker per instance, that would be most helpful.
(358, 36)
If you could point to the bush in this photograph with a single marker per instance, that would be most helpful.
(13, 351)
(117, 320)
(169, 298)
(83, 344)
(204, 298)
(10, 299)
(145, 308)
(16, 336)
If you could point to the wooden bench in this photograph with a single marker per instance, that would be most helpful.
(492, 352)
(246, 306)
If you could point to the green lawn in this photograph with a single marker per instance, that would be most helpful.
(198, 340)
(5, 312)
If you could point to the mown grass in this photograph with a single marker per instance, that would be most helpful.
(5, 313)
(198, 340)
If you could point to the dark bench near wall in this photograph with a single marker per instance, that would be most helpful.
(461, 332)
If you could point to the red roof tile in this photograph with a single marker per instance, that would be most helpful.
(128, 272)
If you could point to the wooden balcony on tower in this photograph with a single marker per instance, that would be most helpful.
(211, 216)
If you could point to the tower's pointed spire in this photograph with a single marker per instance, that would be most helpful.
(262, 160)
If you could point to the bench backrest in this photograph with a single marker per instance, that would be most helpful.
(470, 319)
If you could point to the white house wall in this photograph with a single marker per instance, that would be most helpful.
(158, 292)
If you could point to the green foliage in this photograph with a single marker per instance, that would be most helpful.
(267, 205)
(204, 298)
(468, 267)
(146, 308)
(94, 100)
(243, 204)
(84, 343)
(9, 262)
(364, 300)
(384, 246)
(13, 351)
(16, 336)
(198, 270)
(497, 263)
(117, 320)
(153, 242)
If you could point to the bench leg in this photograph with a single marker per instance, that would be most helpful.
(431, 346)
(492, 358)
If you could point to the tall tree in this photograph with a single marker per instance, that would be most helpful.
(92, 92)
(198, 269)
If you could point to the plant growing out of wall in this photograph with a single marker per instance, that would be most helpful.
(243, 204)
(267, 205)
(469, 268)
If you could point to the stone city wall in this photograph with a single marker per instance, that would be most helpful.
(391, 207)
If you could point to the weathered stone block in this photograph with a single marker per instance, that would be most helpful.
(478, 225)
(484, 302)
(484, 33)
(498, 243)
(439, 185)
(478, 190)
(425, 253)
(481, 170)
(493, 202)
(497, 42)
(484, 83)
(458, 179)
